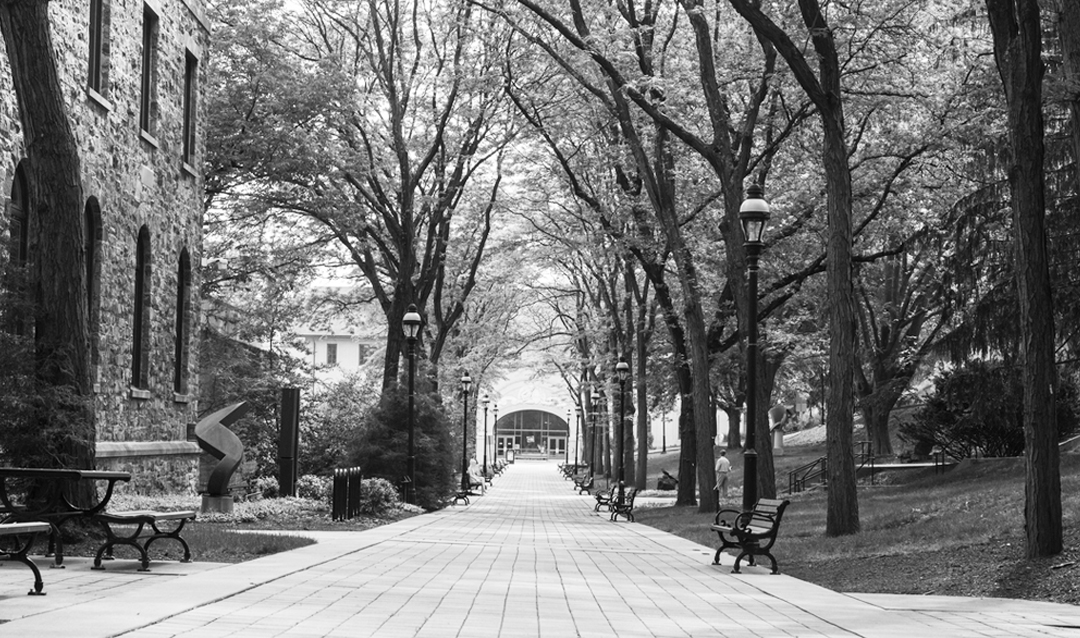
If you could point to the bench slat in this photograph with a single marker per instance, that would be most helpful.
(23, 528)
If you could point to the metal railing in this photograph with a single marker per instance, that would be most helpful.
(345, 500)
(818, 469)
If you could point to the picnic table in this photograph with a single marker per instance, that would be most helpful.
(55, 508)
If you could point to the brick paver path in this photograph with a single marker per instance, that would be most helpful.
(530, 558)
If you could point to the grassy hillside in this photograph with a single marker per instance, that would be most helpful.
(958, 533)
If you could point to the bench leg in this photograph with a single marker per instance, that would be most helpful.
(174, 534)
(19, 555)
(114, 539)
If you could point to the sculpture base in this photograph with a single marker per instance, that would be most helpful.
(217, 504)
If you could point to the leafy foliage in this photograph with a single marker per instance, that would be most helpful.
(331, 421)
(377, 496)
(978, 409)
(381, 449)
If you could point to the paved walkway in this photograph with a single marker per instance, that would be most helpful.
(528, 559)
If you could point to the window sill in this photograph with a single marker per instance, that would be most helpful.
(187, 169)
(139, 393)
(99, 99)
(149, 139)
(181, 398)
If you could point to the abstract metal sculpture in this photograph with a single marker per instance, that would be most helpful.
(217, 440)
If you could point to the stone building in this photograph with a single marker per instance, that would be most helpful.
(132, 73)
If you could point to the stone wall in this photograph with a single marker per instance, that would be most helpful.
(133, 180)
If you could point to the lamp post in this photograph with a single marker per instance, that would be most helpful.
(466, 382)
(594, 460)
(577, 439)
(485, 402)
(754, 215)
(495, 427)
(411, 325)
(622, 371)
(566, 445)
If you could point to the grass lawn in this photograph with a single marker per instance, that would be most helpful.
(958, 533)
(235, 538)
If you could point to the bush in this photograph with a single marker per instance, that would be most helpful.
(267, 486)
(979, 410)
(381, 449)
(377, 496)
(317, 488)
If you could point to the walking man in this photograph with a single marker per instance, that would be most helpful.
(723, 468)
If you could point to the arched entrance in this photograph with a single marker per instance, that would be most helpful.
(534, 433)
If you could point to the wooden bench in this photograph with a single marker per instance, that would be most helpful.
(624, 507)
(21, 547)
(141, 538)
(584, 484)
(752, 533)
(604, 498)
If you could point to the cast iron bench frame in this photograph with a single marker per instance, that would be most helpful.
(604, 498)
(18, 552)
(141, 538)
(624, 507)
(584, 484)
(753, 533)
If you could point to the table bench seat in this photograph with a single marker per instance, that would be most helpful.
(146, 531)
(18, 549)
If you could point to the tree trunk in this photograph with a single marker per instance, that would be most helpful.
(1068, 28)
(642, 405)
(734, 419)
(62, 337)
(1018, 51)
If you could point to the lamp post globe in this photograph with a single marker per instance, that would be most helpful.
(410, 325)
(466, 383)
(622, 372)
(754, 217)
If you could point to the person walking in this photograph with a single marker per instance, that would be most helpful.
(723, 468)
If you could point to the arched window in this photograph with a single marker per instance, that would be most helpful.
(16, 319)
(183, 323)
(140, 343)
(93, 274)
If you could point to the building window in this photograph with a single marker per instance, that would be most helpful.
(93, 274)
(16, 311)
(183, 323)
(140, 342)
(97, 75)
(331, 354)
(191, 71)
(149, 69)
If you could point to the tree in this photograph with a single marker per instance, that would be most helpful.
(1017, 33)
(373, 131)
(824, 90)
(62, 350)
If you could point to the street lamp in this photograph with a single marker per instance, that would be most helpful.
(485, 402)
(754, 215)
(577, 439)
(411, 326)
(594, 457)
(566, 445)
(495, 427)
(466, 382)
(622, 371)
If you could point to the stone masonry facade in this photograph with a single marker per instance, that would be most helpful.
(133, 76)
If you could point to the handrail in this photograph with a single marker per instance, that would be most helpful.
(801, 476)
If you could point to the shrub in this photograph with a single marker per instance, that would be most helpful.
(316, 488)
(382, 446)
(267, 486)
(377, 496)
(979, 409)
